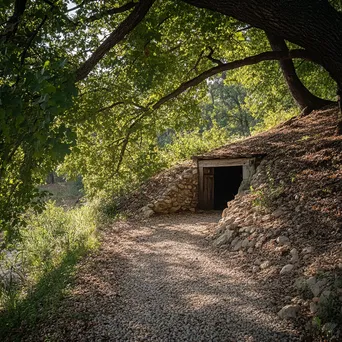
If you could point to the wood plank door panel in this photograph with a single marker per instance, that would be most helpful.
(208, 188)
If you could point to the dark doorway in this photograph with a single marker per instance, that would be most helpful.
(227, 181)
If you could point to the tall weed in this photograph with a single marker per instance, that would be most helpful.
(36, 271)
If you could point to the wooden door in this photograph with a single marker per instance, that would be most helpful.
(207, 202)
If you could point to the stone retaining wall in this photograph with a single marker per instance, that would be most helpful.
(180, 195)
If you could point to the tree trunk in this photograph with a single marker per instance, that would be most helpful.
(304, 98)
(339, 119)
(312, 24)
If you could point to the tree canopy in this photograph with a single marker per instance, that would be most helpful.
(102, 81)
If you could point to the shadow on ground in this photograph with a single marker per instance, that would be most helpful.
(161, 281)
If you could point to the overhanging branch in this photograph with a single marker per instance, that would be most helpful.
(133, 19)
(210, 56)
(302, 95)
(264, 56)
(112, 11)
(103, 109)
(313, 25)
(13, 22)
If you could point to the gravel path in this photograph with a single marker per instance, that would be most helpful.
(162, 281)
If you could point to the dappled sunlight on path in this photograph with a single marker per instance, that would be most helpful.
(160, 280)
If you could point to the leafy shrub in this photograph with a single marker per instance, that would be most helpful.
(265, 198)
(37, 269)
(55, 233)
(274, 118)
(330, 309)
(106, 208)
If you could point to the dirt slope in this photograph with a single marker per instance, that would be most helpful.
(296, 196)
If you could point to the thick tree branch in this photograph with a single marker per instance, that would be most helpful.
(265, 56)
(304, 98)
(312, 24)
(200, 58)
(114, 38)
(13, 22)
(112, 11)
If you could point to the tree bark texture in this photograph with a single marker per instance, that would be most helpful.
(312, 24)
(304, 98)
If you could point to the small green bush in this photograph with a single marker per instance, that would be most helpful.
(106, 208)
(326, 322)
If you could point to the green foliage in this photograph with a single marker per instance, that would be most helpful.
(110, 115)
(143, 159)
(337, 4)
(106, 208)
(32, 138)
(328, 313)
(325, 325)
(185, 145)
(272, 119)
(36, 88)
(41, 302)
(37, 270)
(55, 232)
(329, 306)
(330, 309)
(227, 107)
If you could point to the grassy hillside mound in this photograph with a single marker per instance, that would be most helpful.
(300, 177)
(288, 228)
